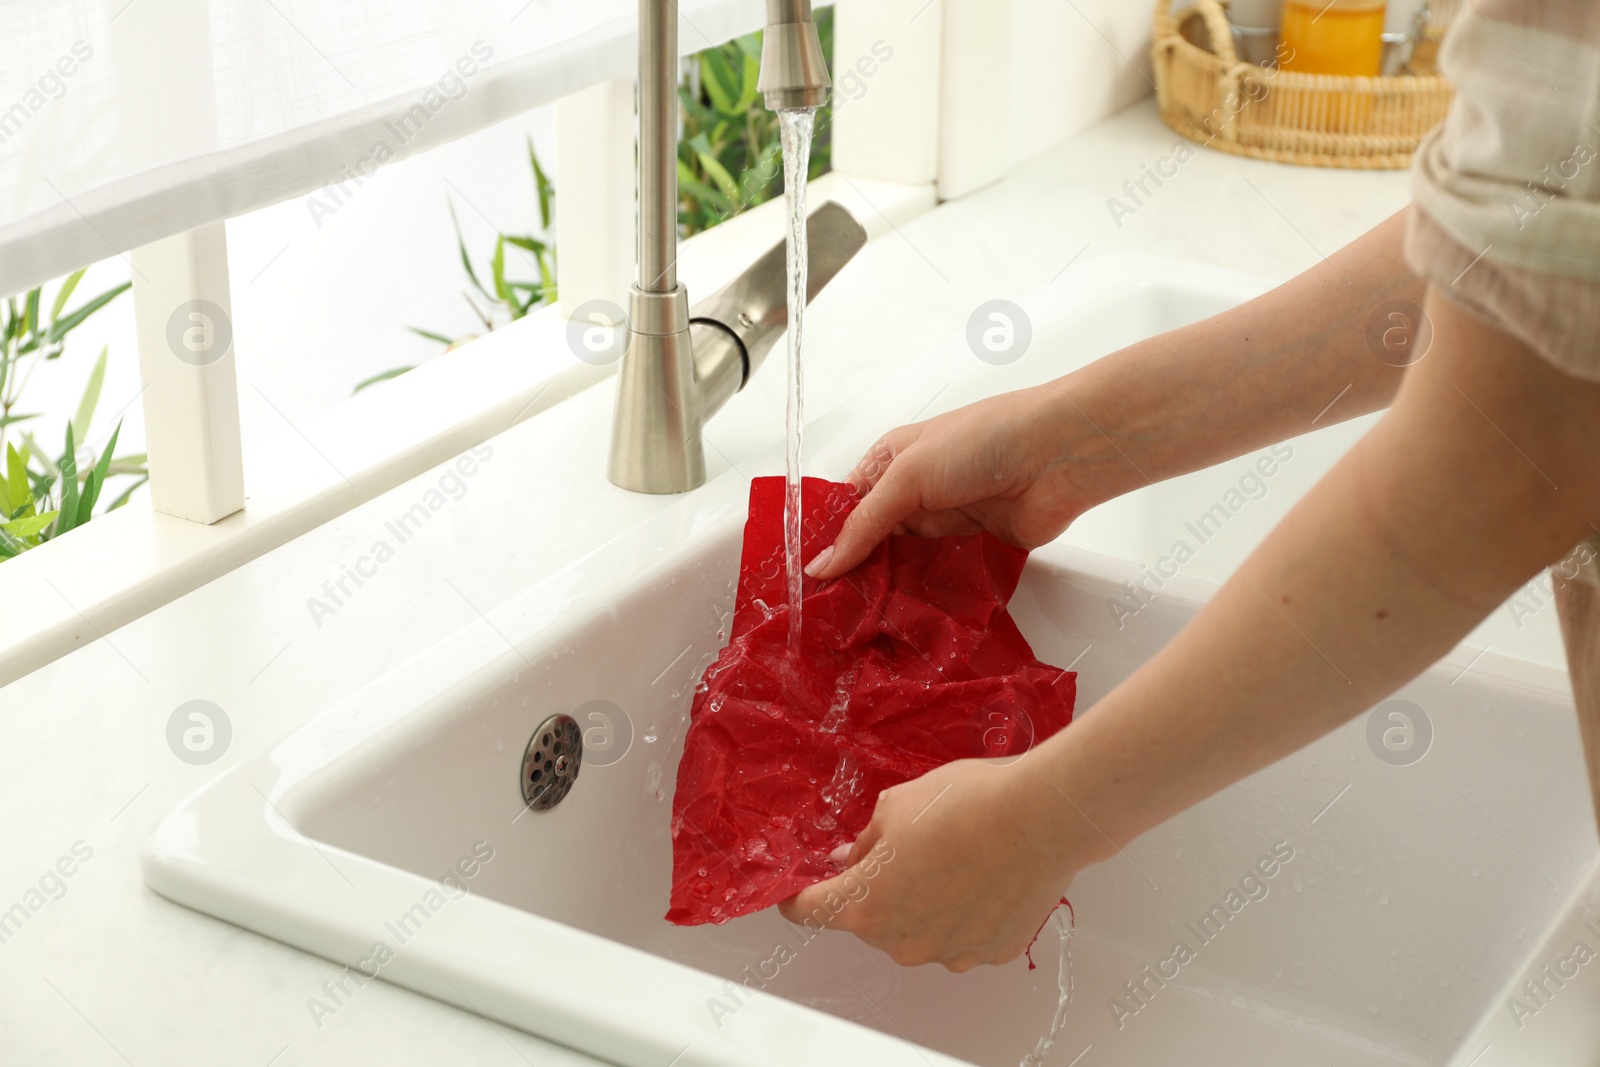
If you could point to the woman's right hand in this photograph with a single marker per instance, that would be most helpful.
(1023, 465)
(1010, 465)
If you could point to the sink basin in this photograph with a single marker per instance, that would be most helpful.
(1408, 898)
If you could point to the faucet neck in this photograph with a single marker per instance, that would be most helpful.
(658, 146)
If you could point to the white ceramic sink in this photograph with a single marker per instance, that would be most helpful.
(1415, 896)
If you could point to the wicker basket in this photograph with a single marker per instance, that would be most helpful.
(1207, 94)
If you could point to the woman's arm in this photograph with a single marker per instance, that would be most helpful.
(1486, 469)
(1025, 464)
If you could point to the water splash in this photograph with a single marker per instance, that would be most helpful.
(795, 128)
(1063, 927)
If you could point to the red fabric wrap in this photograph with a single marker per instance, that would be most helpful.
(906, 663)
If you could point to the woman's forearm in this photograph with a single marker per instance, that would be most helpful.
(1445, 508)
(1026, 464)
(1287, 362)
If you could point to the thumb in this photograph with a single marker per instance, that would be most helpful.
(890, 502)
(810, 906)
(828, 904)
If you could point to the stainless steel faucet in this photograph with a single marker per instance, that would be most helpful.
(681, 365)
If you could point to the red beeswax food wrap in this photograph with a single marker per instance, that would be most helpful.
(906, 663)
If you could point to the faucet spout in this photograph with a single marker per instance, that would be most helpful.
(793, 73)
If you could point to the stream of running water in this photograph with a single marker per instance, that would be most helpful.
(795, 127)
(1063, 926)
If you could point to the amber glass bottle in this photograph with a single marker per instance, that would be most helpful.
(1341, 37)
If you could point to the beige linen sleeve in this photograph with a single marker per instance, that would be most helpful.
(1507, 188)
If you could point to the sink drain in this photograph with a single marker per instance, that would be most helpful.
(551, 763)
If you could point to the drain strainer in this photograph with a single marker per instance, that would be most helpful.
(551, 763)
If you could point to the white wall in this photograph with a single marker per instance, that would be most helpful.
(960, 99)
(1073, 62)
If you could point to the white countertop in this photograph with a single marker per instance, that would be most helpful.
(110, 973)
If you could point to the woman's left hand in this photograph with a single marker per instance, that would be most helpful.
(961, 866)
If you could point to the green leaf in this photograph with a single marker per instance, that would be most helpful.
(29, 507)
(91, 490)
(17, 474)
(497, 267)
(91, 397)
(393, 372)
(64, 292)
(11, 547)
(695, 114)
(693, 187)
(69, 487)
(543, 185)
(7, 420)
(61, 327)
(97, 478)
(430, 335)
(461, 244)
(714, 168)
(752, 74)
(31, 325)
(530, 244)
(722, 82)
(30, 526)
(719, 174)
(547, 274)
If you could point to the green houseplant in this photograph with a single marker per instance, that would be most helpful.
(729, 160)
(43, 494)
(729, 156)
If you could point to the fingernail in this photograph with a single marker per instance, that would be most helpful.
(819, 561)
(840, 857)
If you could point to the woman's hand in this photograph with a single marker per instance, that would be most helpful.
(1023, 465)
(960, 867)
(1016, 465)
